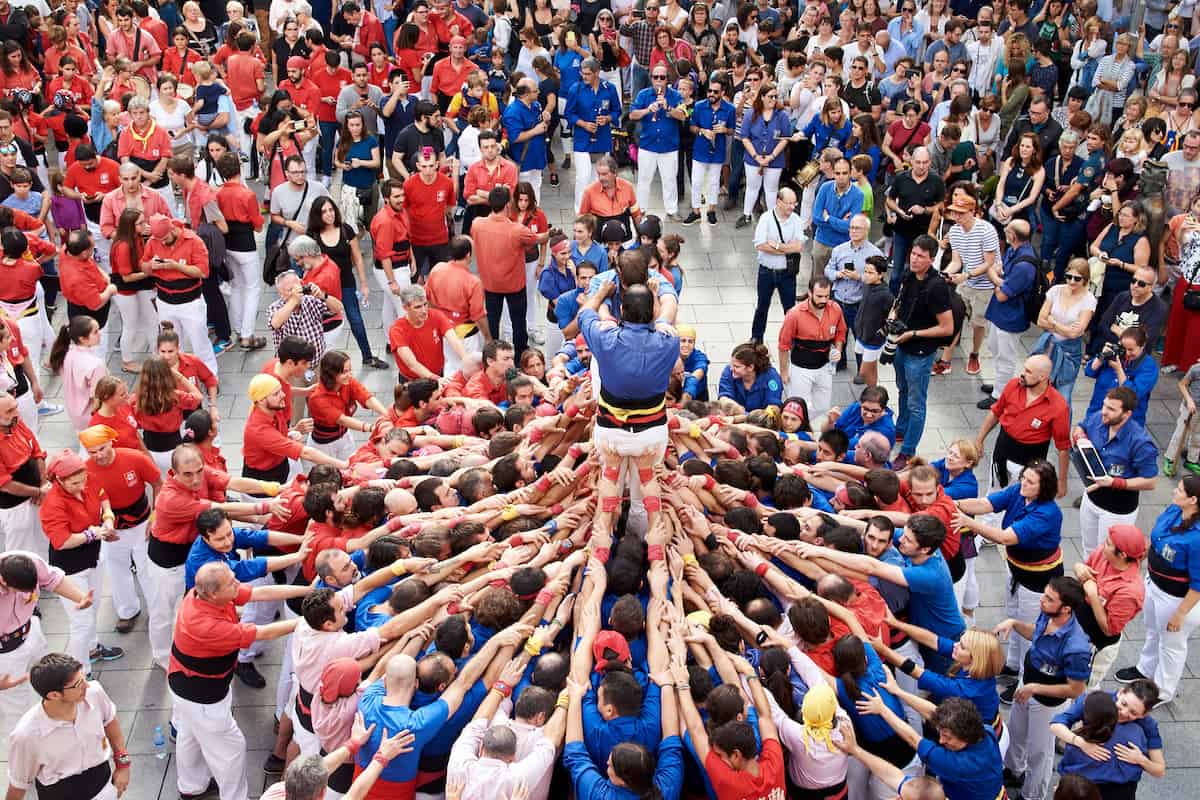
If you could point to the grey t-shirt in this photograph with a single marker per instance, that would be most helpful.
(351, 95)
(286, 199)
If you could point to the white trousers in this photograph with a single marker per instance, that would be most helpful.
(768, 181)
(1165, 653)
(1006, 349)
(305, 739)
(667, 166)
(814, 385)
(534, 178)
(118, 557)
(21, 528)
(16, 701)
(138, 318)
(554, 340)
(102, 244)
(862, 785)
(584, 173)
(246, 283)
(191, 323)
(33, 335)
(342, 447)
(966, 591)
(1031, 746)
(390, 307)
(706, 184)
(284, 690)
(531, 299)
(209, 744)
(1023, 605)
(162, 458)
(472, 344)
(167, 586)
(258, 613)
(82, 622)
(332, 337)
(28, 411)
(1094, 523)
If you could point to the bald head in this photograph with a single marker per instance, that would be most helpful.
(874, 445)
(400, 502)
(185, 455)
(1036, 372)
(211, 577)
(129, 170)
(401, 672)
(1017, 231)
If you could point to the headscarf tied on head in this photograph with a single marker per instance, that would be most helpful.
(819, 711)
(335, 702)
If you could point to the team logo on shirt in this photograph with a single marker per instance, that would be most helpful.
(773, 385)
(131, 478)
(1035, 423)
(441, 196)
(103, 177)
(1116, 470)
(1168, 552)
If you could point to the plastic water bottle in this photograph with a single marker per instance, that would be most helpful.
(160, 743)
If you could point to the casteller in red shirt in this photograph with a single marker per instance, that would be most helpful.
(426, 201)
(329, 85)
(425, 342)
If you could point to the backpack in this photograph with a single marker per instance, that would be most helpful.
(1035, 297)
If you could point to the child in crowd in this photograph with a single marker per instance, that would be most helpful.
(1185, 441)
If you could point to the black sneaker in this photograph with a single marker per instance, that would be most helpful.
(712, 218)
(691, 219)
(249, 675)
(209, 792)
(1129, 675)
(274, 764)
(1009, 672)
(743, 221)
(102, 653)
(374, 362)
(985, 404)
(1006, 696)
(986, 388)
(1013, 779)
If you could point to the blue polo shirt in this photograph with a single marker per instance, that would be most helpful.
(364, 617)
(1066, 652)
(696, 387)
(659, 131)
(665, 289)
(767, 389)
(567, 306)
(932, 604)
(245, 570)
(449, 731)
(592, 784)
(1019, 274)
(635, 359)
(1175, 551)
(973, 773)
(517, 119)
(705, 117)
(1141, 732)
(423, 723)
(965, 486)
(1037, 524)
(835, 230)
(1141, 375)
(851, 423)
(595, 254)
(1129, 454)
(601, 735)
(870, 727)
(584, 104)
(980, 691)
(553, 282)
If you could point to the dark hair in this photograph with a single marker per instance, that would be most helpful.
(295, 349)
(317, 607)
(315, 223)
(850, 664)
(927, 243)
(928, 530)
(623, 692)
(198, 426)
(735, 737)
(75, 331)
(775, 666)
(755, 355)
(1099, 717)
(809, 620)
(960, 718)
(634, 765)
(332, 364)
(19, 572)
(1076, 787)
(1047, 479)
(51, 672)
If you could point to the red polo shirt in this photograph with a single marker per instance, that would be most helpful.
(389, 236)
(124, 422)
(196, 371)
(243, 72)
(480, 177)
(17, 351)
(16, 449)
(124, 481)
(425, 342)
(81, 280)
(304, 95)
(1047, 417)
(176, 506)
(480, 387)
(326, 406)
(1123, 592)
(172, 418)
(426, 204)
(324, 537)
(101, 180)
(62, 514)
(152, 144)
(204, 652)
(944, 509)
(500, 245)
(265, 443)
(328, 85)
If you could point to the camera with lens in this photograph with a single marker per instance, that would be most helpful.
(893, 329)
(1111, 352)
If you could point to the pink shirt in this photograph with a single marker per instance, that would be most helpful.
(16, 607)
(82, 369)
(48, 750)
(114, 203)
(813, 766)
(332, 722)
(313, 650)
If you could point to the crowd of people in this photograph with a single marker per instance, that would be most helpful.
(562, 557)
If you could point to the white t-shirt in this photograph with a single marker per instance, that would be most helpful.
(173, 121)
(1061, 309)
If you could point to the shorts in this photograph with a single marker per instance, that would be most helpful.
(629, 444)
(869, 354)
(977, 303)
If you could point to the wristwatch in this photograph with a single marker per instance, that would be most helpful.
(122, 759)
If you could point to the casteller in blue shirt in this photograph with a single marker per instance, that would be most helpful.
(1141, 375)
(976, 772)
(592, 784)
(766, 390)
(245, 570)
(851, 422)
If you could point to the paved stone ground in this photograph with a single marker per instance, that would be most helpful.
(718, 298)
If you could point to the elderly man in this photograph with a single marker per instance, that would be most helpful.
(301, 309)
(132, 193)
(178, 260)
(845, 269)
(421, 337)
(610, 197)
(453, 289)
(271, 449)
(525, 122)
(210, 746)
(592, 105)
(778, 235)
(147, 145)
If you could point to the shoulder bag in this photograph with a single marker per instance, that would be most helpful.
(277, 259)
(793, 259)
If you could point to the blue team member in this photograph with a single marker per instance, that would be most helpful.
(592, 105)
(660, 110)
(1130, 366)
(957, 470)
(567, 304)
(749, 380)
(712, 122)
(870, 413)
(633, 270)
(1134, 743)
(695, 365)
(1130, 462)
(525, 124)
(220, 541)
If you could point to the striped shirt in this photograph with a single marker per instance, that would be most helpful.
(971, 246)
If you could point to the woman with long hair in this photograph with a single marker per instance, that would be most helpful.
(864, 140)
(333, 403)
(1182, 347)
(76, 355)
(1172, 609)
(1020, 185)
(135, 288)
(749, 380)
(668, 249)
(111, 406)
(278, 138)
(340, 244)
(1107, 746)
(173, 115)
(1065, 317)
(605, 44)
(698, 32)
(983, 130)
(190, 366)
(550, 89)
(1087, 52)
(903, 136)
(163, 395)
(206, 168)
(523, 208)
(1014, 95)
(1169, 83)
(764, 134)
(18, 73)
(358, 157)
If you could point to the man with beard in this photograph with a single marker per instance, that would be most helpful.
(812, 338)
(1031, 412)
(269, 449)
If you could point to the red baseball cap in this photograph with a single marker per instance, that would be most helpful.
(609, 647)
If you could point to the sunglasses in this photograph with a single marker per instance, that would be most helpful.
(658, 77)
(1187, 105)
(1074, 278)
(1141, 283)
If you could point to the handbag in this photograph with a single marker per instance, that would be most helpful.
(1191, 297)
(792, 259)
(277, 259)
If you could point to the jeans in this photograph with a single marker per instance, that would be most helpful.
(769, 282)
(49, 281)
(737, 171)
(901, 245)
(850, 312)
(1059, 241)
(329, 132)
(912, 384)
(218, 313)
(516, 313)
(354, 317)
(639, 78)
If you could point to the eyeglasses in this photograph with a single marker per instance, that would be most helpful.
(1141, 283)
(857, 66)
(1172, 25)
(771, 94)
(908, 10)
(959, 71)
(1074, 277)
(1187, 105)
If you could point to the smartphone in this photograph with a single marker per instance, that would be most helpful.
(298, 125)
(570, 38)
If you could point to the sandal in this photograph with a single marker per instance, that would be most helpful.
(253, 343)
(554, 179)
(131, 367)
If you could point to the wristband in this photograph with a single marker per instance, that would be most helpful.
(380, 760)
(733, 535)
(398, 569)
(262, 508)
(409, 531)
(270, 488)
(543, 483)
(713, 419)
(733, 452)
(453, 608)
(509, 513)
(352, 747)
(563, 701)
(690, 560)
(908, 666)
(566, 545)
(709, 482)
(694, 431)
(556, 509)
(601, 554)
(688, 455)
(535, 435)
(749, 500)
(404, 483)
(1119, 483)
(544, 598)
(583, 471)
(533, 646)
(571, 411)
(503, 688)
(459, 441)
(574, 451)
(395, 524)
(516, 540)
(673, 423)
(655, 552)
(89, 535)
(761, 569)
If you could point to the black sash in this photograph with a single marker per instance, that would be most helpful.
(168, 554)
(1031, 674)
(28, 474)
(83, 786)
(161, 441)
(277, 473)
(133, 514)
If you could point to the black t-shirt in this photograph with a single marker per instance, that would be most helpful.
(862, 97)
(410, 141)
(340, 254)
(1151, 316)
(919, 304)
(908, 193)
(284, 51)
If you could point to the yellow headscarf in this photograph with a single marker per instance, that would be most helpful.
(97, 435)
(819, 711)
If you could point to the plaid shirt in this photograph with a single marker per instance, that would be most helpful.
(305, 321)
(643, 40)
